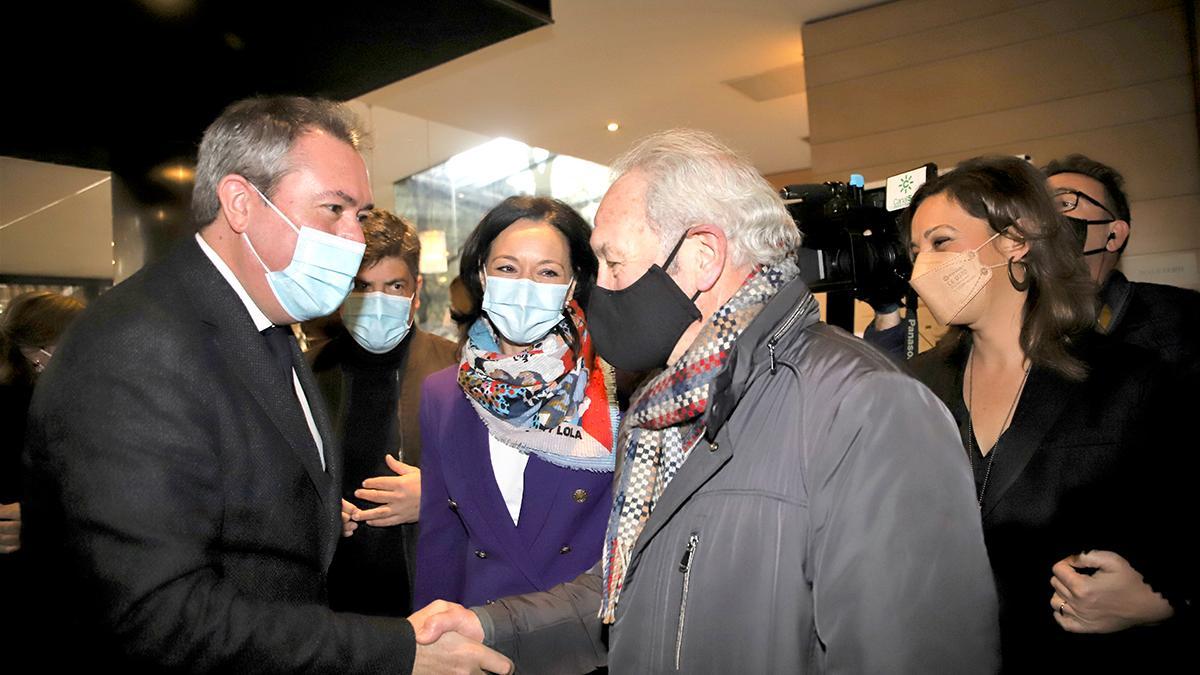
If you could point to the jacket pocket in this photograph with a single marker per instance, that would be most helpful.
(685, 567)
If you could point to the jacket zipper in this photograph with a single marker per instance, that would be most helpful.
(787, 325)
(685, 566)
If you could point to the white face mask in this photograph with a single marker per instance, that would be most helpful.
(377, 321)
(947, 281)
(320, 274)
(524, 311)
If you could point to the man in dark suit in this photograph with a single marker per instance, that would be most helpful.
(370, 373)
(183, 480)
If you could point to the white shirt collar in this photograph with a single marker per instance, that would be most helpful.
(261, 322)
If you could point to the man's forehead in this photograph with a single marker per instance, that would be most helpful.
(340, 167)
(390, 268)
(1061, 182)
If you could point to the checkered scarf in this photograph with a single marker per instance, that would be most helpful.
(665, 421)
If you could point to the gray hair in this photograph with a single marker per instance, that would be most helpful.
(695, 178)
(252, 138)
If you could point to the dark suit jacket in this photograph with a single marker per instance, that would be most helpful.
(363, 576)
(469, 551)
(176, 498)
(1162, 319)
(1092, 465)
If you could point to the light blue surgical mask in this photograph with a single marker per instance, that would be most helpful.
(523, 310)
(377, 321)
(320, 274)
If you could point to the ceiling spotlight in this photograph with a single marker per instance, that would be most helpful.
(613, 126)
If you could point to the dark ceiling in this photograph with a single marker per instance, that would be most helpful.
(128, 84)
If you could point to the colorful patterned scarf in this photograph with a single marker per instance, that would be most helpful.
(549, 400)
(664, 422)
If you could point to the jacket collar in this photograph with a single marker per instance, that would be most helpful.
(1042, 402)
(791, 310)
(235, 338)
(1114, 298)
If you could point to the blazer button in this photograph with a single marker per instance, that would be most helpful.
(480, 554)
(714, 446)
(580, 495)
(453, 504)
(565, 550)
(489, 602)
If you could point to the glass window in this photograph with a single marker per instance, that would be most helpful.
(447, 201)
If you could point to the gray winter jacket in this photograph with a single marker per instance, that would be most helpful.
(825, 524)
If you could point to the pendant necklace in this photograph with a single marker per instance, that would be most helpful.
(987, 474)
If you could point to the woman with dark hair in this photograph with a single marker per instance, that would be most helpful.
(1067, 436)
(518, 437)
(29, 330)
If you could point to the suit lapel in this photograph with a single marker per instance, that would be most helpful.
(473, 484)
(536, 503)
(329, 481)
(419, 363)
(1042, 401)
(1045, 396)
(245, 352)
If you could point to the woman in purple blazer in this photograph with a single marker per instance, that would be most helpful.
(517, 438)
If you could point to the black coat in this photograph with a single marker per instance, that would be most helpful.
(1162, 319)
(374, 401)
(175, 499)
(1092, 465)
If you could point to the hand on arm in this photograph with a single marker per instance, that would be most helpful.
(399, 496)
(1111, 599)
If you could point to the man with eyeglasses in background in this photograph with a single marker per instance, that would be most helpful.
(1163, 319)
(1109, 593)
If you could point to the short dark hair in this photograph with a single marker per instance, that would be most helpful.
(252, 138)
(1114, 183)
(390, 236)
(1010, 195)
(543, 209)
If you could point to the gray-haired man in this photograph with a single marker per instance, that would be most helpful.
(184, 484)
(788, 500)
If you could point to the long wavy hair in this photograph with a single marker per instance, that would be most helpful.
(1011, 196)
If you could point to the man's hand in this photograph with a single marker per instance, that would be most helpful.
(1113, 598)
(348, 524)
(10, 527)
(440, 617)
(399, 496)
(453, 653)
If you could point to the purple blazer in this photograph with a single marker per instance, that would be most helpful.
(468, 550)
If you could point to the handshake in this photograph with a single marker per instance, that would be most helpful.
(450, 640)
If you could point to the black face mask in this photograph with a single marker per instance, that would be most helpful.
(1079, 227)
(636, 328)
